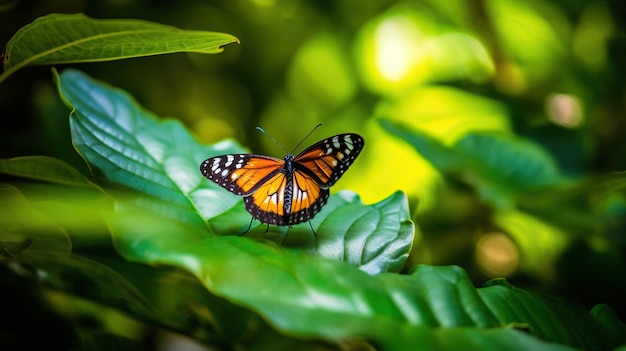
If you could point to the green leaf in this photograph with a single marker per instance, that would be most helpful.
(500, 166)
(509, 161)
(179, 302)
(127, 145)
(24, 227)
(63, 38)
(553, 319)
(43, 168)
(62, 199)
(53, 217)
(130, 147)
(466, 339)
(434, 307)
(442, 157)
(375, 238)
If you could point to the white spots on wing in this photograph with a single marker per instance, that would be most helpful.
(234, 176)
(229, 160)
(216, 164)
(335, 141)
(334, 162)
(340, 156)
(224, 172)
(349, 144)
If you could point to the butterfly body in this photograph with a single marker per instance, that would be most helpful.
(288, 191)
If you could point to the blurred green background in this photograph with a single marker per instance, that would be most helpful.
(549, 72)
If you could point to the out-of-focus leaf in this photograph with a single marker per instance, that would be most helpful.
(501, 167)
(446, 113)
(463, 338)
(66, 38)
(540, 242)
(537, 24)
(23, 227)
(62, 200)
(165, 297)
(442, 112)
(79, 275)
(161, 160)
(442, 157)
(32, 325)
(43, 168)
(509, 161)
(553, 319)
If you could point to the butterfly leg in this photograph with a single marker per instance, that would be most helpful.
(249, 226)
(267, 229)
(313, 230)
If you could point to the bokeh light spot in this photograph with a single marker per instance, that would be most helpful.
(564, 110)
(497, 255)
(397, 51)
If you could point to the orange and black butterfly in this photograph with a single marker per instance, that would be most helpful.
(288, 191)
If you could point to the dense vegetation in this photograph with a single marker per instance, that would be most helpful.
(486, 211)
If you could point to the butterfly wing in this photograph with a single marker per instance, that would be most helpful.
(287, 201)
(327, 160)
(241, 174)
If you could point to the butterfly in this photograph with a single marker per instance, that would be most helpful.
(288, 191)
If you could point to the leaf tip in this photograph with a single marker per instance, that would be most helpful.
(233, 40)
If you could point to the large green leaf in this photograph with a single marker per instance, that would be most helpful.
(128, 146)
(67, 38)
(434, 307)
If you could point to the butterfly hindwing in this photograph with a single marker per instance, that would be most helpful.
(241, 174)
(287, 201)
(330, 158)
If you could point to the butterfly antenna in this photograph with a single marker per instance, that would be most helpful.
(303, 139)
(271, 138)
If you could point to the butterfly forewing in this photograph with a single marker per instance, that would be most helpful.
(241, 174)
(330, 158)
